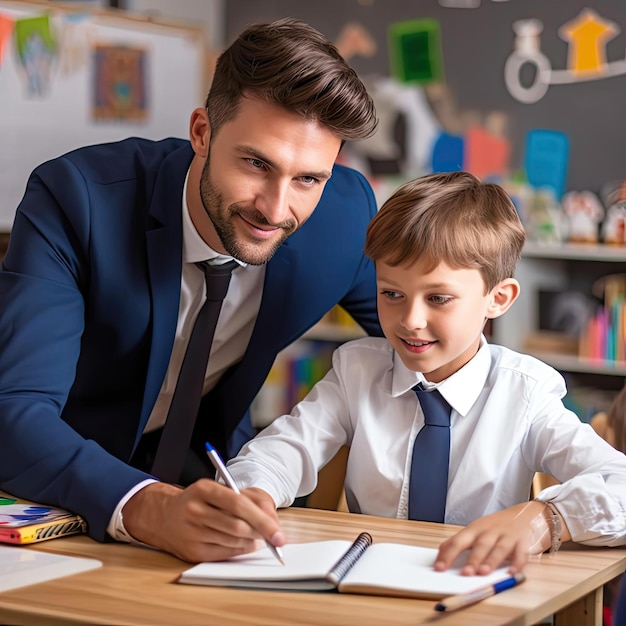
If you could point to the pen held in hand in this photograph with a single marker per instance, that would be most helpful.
(462, 600)
(227, 477)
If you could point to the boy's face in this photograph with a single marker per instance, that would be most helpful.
(433, 320)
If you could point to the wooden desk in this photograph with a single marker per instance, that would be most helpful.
(135, 586)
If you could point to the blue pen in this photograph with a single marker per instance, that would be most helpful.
(465, 599)
(227, 477)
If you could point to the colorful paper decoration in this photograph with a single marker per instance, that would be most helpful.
(486, 154)
(355, 40)
(36, 47)
(546, 160)
(448, 153)
(6, 28)
(120, 83)
(29, 28)
(587, 36)
(415, 51)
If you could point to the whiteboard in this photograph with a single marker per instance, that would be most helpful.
(35, 127)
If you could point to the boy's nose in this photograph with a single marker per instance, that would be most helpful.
(414, 317)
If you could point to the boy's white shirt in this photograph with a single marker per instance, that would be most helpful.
(508, 422)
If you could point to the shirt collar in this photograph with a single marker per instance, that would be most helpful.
(194, 247)
(460, 390)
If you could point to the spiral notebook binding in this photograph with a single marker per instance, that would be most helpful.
(352, 555)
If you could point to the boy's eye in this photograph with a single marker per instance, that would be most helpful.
(440, 299)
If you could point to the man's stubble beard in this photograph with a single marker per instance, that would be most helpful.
(222, 219)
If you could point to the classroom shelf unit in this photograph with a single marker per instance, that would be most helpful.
(557, 267)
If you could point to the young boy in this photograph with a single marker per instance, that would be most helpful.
(445, 248)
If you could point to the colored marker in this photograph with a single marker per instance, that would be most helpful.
(462, 600)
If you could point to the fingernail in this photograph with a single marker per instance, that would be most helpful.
(277, 539)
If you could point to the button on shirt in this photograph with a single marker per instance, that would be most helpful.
(508, 422)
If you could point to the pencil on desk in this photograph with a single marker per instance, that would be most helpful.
(462, 600)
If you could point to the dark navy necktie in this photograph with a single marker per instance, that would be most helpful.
(428, 483)
(181, 418)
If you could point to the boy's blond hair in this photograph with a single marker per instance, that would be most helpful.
(454, 218)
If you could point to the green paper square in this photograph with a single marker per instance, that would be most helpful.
(33, 26)
(415, 51)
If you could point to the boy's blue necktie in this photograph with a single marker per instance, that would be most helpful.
(428, 484)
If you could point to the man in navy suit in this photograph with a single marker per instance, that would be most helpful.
(99, 289)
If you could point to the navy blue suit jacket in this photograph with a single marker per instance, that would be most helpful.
(89, 294)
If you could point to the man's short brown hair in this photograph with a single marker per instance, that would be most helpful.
(292, 65)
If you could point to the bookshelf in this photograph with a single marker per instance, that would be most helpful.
(299, 366)
(557, 267)
(591, 383)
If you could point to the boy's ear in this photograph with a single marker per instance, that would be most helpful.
(503, 295)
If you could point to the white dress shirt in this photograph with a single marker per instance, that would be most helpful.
(508, 422)
(232, 333)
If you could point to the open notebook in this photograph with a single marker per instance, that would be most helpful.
(387, 569)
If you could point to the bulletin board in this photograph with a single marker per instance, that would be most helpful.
(88, 76)
(583, 101)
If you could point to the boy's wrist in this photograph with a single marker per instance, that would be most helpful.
(555, 525)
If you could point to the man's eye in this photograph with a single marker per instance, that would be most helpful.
(392, 295)
(256, 163)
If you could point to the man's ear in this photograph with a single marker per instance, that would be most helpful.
(503, 295)
(200, 132)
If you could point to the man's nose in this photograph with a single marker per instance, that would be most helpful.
(273, 202)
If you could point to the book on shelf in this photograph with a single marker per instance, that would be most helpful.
(604, 337)
(294, 372)
(362, 567)
(23, 521)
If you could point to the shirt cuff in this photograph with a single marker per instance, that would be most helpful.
(116, 527)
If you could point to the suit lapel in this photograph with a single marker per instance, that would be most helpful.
(164, 256)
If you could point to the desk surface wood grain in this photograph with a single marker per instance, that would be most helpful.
(137, 586)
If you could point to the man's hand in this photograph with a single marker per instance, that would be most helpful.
(509, 535)
(206, 521)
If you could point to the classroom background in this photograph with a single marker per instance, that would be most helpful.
(527, 93)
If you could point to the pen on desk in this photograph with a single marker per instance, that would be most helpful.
(227, 477)
(465, 599)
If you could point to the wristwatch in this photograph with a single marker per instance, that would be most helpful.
(553, 518)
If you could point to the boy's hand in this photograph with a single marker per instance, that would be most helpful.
(509, 535)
